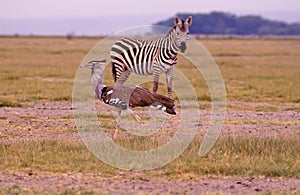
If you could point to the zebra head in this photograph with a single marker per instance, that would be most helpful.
(181, 29)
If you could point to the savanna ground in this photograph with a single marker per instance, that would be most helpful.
(257, 151)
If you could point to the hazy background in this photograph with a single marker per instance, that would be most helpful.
(95, 17)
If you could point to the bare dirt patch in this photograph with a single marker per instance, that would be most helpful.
(137, 183)
(55, 120)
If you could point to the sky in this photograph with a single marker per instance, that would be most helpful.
(63, 16)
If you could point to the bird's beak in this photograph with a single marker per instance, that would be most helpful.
(92, 63)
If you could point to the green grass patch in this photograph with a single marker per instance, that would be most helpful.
(11, 77)
(24, 190)
(140, 143)
(229, 157)
(265, 109)
(9, 103)
(204, 97)
(242, 157)
(296, 109)
(50, 155)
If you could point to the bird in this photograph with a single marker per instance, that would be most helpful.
(124, 97)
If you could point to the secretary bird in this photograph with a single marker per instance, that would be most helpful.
(123, 97)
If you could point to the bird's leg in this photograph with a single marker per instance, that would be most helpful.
(135, 116)
(118, 123)
(116, 131)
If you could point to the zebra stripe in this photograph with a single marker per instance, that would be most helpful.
(150, 57)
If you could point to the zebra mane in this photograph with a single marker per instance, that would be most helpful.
(170, 31)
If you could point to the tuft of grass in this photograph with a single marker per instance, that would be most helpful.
(66, 117)
(9, 103)
(11, 77)
(15, 189)
(28, 117)
(140, 143)
(280, 192)
(62, 98)
(265, 109)
(296, 100)
(204, 97)
(272, 122)
(296, 109)
(229, 54)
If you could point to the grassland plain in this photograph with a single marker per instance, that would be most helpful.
(43, 69)
(258, 150)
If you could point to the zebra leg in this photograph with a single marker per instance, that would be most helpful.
(124, 76)
(155, 82)
(118, 122)
(169, 75)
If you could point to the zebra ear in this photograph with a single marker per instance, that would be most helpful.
(189, 21)
(176, 21)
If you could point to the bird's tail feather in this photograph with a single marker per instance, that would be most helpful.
(159, 106)
(164, 103)
(145, 97)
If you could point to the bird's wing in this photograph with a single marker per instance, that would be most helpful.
(141, 97)
(118, 103)
(110, 97)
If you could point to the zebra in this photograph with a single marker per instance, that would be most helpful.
(150, 57)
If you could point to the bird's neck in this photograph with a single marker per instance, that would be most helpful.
(97, 82)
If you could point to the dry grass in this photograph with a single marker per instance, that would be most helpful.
(39, 69)
(258, 70)
(43, 69)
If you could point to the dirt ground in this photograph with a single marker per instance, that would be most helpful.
(122, 183)
(39, 121)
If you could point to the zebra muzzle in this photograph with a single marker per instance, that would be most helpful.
(182, 47)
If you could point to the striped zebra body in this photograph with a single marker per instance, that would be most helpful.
(150, 57)
(141, 57)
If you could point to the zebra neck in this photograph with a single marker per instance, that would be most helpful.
(173, 46)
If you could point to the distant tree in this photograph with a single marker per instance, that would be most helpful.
(226, 23)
